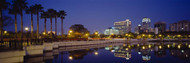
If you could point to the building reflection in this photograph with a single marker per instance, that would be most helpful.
(123, 52)
(145, 50)
(79, 54)
(183, 52)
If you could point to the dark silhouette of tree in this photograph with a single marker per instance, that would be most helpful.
(14, 11)
(44, 15)
(56, 15)
(20, 6)
(78, 31)
(31, 11)
(79, 28)
(38, 8)
(3, 6)
(62, 15)
(51, 14)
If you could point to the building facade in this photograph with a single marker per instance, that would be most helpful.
(180, 26)
(123, 26)
(146, 25)
(111, 30)
(138, 29)
(160, 27)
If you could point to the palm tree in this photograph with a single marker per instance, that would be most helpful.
(56, 15)
(45, 16)
(51, 14)
(14, 11)
(21, 5)
(38, 8)
(31, 11)
(3, 6)
(62, 15)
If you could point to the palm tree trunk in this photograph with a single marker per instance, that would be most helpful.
(1, 25)
(45, 25)
(21, 14)
(37, 25)
(31, 26)
(62, 27)
(55, 26)
(51, 26)
(16, 26)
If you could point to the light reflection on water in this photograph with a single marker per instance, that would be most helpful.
(129, 52)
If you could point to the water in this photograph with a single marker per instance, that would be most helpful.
(116, 53)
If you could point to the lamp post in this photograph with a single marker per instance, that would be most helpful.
(26, 29)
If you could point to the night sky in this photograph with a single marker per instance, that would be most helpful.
(97, 15)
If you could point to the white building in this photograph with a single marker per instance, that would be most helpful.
(146, 25)
(111, 30)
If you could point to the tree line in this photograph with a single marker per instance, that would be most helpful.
(17, 7)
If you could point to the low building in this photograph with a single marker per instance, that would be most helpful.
(111, 30)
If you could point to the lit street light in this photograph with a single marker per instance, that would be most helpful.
(26, 28)
(5, 32)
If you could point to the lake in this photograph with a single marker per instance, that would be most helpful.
(119, 53)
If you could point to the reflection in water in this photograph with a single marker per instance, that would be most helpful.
(146, 51)
(179, 50)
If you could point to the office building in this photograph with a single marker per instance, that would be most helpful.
(183, 25)
(138, 29)
(123, 26)
(160, 27)
(146, 25)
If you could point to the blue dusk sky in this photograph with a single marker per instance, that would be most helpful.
(97, 15)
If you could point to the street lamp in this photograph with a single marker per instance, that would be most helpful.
(26, 29)
(5, 32)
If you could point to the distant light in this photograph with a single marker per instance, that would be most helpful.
(107, 48)
(112, 50)
(126, 49)
(168, 46)
(189, 46)
(96, 53)
(26, 28)
(182, 51)
(70, 57)
(149, 46)
(160, 35)
(5, 32)
(179, 46)
(44, 33)
(160, 47)
(70, 31)
(139, 52)
(143, 47)
(86, 34)
(138, 45)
